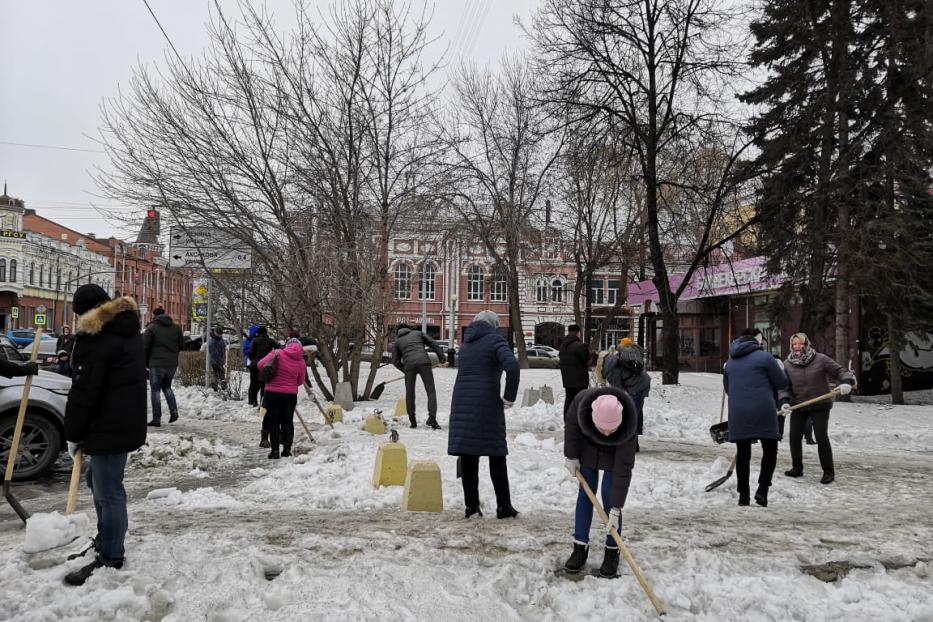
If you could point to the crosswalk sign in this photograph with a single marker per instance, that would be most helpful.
(14, 313)
(39, 319)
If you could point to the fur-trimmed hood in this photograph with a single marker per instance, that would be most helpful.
(623, 434)
(120, 314)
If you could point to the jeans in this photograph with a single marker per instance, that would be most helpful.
(584, 515)
(160, 380)
(820, 418)
(427, 377)
(743, 459)
(498, 473)
(105, 479)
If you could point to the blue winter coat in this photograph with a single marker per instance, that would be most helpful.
(752, 378)
(477, 416)
(248, 342)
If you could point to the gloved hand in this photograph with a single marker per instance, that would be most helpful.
(573, 465)
(844, 388)
(29, 369)
(72, 448)
(507, 403)
(613, 520)
(785, 409)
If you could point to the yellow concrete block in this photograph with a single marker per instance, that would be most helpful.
(374, 425)
(391, 465)
(334, 412)
(401, 410)
(423, 488)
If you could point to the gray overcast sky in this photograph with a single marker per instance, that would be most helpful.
(60, 58)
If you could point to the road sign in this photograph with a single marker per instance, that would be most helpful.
(199, 311)
(201, 291)
(39, 319)
(143, 309)
(41, 309)
(14, 313)
(204, 247)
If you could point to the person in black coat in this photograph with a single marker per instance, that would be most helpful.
(11, 370)
(752, 378)
(106, 411)
(600, 433)
(574, 365)
(262, 344)
(409, 356)
(477, 412)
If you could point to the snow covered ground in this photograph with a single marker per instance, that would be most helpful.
(219, 532)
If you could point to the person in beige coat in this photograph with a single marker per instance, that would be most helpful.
(809, 373)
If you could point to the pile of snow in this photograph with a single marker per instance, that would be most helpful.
(193, 499)
(47, 531)
(182, 451)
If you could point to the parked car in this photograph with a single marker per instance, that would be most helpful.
(548, 349)
(43, 436)
(540, 358)
(22, 336)
(48, 356)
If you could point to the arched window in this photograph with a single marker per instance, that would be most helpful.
(402, 281)
(32, 273)
(42, 275)
(541, 290)
(475, 283)
(2, 269)
(557, 290)
(497, 288)
(426, 282)
(12, 271)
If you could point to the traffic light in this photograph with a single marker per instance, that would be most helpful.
(152, 219)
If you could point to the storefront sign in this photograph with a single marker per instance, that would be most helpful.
(9, 233)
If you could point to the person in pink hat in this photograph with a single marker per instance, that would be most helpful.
(600, 433)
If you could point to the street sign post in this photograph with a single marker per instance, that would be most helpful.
(14, 313)
(39, 319)
(203, 247)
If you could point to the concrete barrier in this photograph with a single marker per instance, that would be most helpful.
(391, 465)
(423, 488)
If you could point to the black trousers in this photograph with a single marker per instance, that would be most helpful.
(820, 419)
(427, 377)
(569, 394)
(280, 418)
(743, 461)
(498, 473)
(256, 388)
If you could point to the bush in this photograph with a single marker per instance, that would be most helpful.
(191, 369)
(191, 373)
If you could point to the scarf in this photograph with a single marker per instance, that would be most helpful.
(802, 358)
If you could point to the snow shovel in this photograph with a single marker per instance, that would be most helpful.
(75, 480)
(319, 407)
(719, 482)
(624, 549)
(305, 426)
(17, 432)
(379, 388)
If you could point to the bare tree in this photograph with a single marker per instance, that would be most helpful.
(657, 70)
(502, 151)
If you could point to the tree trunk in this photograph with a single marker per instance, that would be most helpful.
(894, 361)
(515, 317)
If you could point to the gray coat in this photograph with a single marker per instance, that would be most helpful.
(614, 453)
(617, 370)
(812, 380)
(408, 352)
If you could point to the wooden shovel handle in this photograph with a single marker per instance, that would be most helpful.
(21, 415)
(75, 480)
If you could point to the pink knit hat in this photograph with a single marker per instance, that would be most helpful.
(607, 412)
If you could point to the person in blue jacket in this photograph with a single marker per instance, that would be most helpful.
(477, 412)
(751, 378)
(248, 342)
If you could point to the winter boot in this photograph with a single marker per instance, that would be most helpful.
(828, 478)
(506, 512)
(761, 496)
(264, 439)
(432, 423)
(154, 423)
(287, 439)
(610, 567)
(413, 421)
(577, 559)
(471, 511)
(173, 417)
(80, 576)
(274, 441)
(744, 498)
(794, 473)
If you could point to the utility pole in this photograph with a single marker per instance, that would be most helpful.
(207, 336)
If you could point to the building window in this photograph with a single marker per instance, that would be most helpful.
(2, 269)
(32, 273)
(475, 283)
(71, 276)
(557, 290)
(58, 279)
(12, 271)
(427, 282)
(612, 293)
(497, 290)
(50, 276)
(596, 292)
(403, 282)
(541, 290)
(42, 276)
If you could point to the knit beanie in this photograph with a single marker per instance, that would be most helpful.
(625, 342)
(487, 316)
(607, 412)
(87, 297)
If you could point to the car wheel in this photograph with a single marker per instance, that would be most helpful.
(39, 445)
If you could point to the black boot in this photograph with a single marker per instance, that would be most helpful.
(578, 558)
(471, 511)
(173, 417)
(413, 422)
(794, 473)
(761, 496)
(78, 577)
(610, 567)
(744, 498)
(264, 439)
(506, 512)
(154, 423)
(287, 438)
(432, 423)
(828, 477)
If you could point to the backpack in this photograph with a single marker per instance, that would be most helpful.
(267, 373)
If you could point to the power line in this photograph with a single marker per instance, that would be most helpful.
(58, 147)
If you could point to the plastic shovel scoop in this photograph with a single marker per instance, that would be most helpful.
(45, 532)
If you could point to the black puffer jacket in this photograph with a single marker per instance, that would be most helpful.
(408, 352)
(106, 408)
(261, 346)
(162, 341)
(574, 363)
(614, 453)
